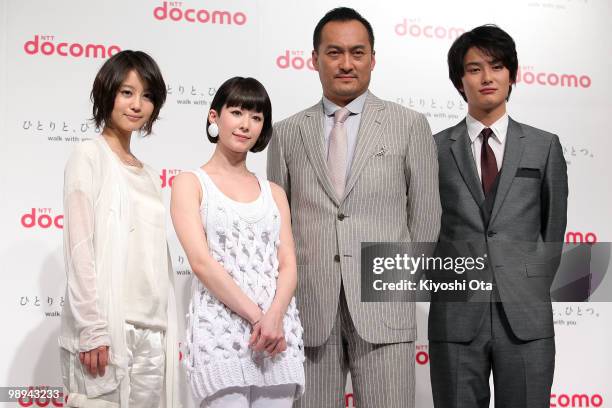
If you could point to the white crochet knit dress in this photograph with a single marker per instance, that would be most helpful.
(243, 237)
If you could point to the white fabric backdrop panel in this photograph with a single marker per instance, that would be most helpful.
(50, 52)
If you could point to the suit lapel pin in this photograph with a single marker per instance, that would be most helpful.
(381, 152)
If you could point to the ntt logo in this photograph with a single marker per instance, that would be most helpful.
(47, 45)
(530, 77)
(576, 400)
(176, 11)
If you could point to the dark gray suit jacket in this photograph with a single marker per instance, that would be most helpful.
(529, 209)
(391, 194)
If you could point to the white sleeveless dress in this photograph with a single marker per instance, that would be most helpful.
(243, 237)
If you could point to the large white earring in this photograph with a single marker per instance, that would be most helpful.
(213, 130)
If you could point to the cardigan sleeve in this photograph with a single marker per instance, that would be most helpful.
(82, 288)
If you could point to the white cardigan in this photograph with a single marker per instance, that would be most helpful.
(96, 222)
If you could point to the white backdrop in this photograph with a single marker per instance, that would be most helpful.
(50, 52)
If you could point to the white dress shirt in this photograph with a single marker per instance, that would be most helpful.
(497, 141)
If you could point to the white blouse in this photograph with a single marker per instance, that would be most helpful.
(145, 294)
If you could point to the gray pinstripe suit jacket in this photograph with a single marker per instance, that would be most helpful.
(391, 194)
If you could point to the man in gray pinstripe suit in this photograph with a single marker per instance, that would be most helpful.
(378, 184)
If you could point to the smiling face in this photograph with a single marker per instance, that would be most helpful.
(238, 128)
(133, 105)
(344, 60)
(485, 84)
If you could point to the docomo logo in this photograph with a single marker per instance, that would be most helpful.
(552, 79)
(576, 400)
(45, 45)
(43, 218)
(576, 237)
(295, 60)
(422, 356)
(174, 11)
(349, 400)
(167, 177)
(41, 402)
(412, 28)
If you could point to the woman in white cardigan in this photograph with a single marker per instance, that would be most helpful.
(118, 337)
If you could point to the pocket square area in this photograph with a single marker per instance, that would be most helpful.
(380, 152)
(527, 172)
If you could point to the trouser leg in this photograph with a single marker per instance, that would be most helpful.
(325, 367)
(523, 371)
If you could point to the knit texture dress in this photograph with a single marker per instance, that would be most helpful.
(243, 237)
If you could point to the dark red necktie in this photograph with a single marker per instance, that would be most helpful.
(488, 164)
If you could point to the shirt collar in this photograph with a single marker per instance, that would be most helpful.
(499, 128)
(355, 106)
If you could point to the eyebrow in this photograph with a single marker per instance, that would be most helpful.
(478, 63)
(339, 47)
(145, 90)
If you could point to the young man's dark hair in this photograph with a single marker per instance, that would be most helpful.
(489, 39)
(340, 14)
(249, 94)
(111, 76)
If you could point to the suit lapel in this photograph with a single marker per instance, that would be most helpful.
(464, 158)
(370, 130)
(512, 157)
(311, 129)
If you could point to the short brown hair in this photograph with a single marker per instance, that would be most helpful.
(111, 76)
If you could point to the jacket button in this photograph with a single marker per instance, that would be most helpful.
(341, 216)
(491, 233)
(336, 258)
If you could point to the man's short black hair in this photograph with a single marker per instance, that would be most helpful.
(249, 94)
(489, 39)
(341, 14)
(112, 74)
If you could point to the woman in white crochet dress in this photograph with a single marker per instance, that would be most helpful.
(244, 336)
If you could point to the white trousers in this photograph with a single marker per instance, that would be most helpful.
(276, 396)
(145, 368)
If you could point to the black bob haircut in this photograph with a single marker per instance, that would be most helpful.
(111, 76)
(249, 94)
(492, 41)
(341, 14)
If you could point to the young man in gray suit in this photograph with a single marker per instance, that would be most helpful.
(503, 187)
(355, 169)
